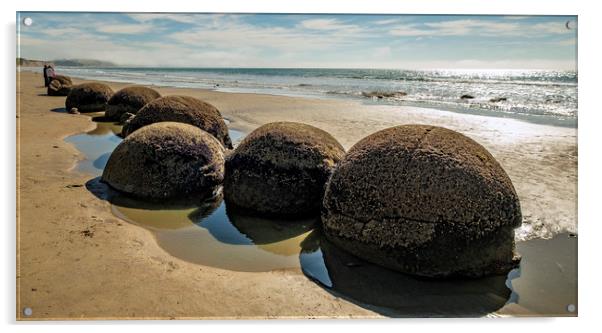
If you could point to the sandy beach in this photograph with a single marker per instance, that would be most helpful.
(76, 260)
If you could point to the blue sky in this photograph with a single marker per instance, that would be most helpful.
(280, 40)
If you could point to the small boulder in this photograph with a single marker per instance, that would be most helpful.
(73, 111)
(281, 168)
(466, 96)
(498, 99)
(130, 100)
(381, 94)
(183, 109)
(89, 97)
(423, 200)
(166, 160)
(60, 85)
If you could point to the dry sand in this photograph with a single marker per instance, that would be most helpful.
(76, 260)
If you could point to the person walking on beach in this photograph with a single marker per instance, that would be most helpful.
(48, 75)
(45, 75)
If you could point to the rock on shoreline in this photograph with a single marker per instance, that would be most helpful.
(423, 200)
(182, 109)
(281, 169)
(89, 97)
(129, 100)
(59, 86)
(166, 160)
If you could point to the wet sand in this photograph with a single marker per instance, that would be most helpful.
(78, 260)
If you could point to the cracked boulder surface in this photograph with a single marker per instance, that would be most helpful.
(89, 97)
(60, 85)
(166, 160)
(423, 200)
(181, 109)
(281, 168)
(129, 100)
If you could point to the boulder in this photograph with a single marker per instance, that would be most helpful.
(89, 97)
(60, 85)
(423, 200)
(129, 100)
(73, 111)
(183, 109)
(281, 168)
(166, 160)
(466, 97)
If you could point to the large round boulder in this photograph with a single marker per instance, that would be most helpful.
(423, 200)
(183, 109)
(129, 100)
(89, 97)
(166, 160)
(60, 85)
(281, 169)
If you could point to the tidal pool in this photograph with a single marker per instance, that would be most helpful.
(97, 145)
(215, 235)
(212, 233)
(544, 285)
(206, 232)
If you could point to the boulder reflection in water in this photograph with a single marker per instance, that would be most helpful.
(396, 294)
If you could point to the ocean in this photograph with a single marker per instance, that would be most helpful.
(540, 96)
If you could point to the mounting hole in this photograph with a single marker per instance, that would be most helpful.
(27, 311)
(28, 21)
(571, 308)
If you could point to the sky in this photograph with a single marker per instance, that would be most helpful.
(302, 41)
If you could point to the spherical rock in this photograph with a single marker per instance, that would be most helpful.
(281, 169)
(129, 100)
(166, 160)
(89, 97)
(183, 109)
(60, 85)
(423, 200)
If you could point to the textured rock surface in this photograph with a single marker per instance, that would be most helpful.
(281, 169)
(129, 100)
(166, 160)
(89, 97)
(60, 85)
(182, 109)
(424, 200)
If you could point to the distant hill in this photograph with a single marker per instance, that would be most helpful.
(30, 63)
(64, 62)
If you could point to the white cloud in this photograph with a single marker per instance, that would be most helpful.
(410, 31)
(57, 32)
(466, 27)
(127, 29)
(195, 19)
(551, 27)
(327, 24)
(236, 36)
(388, 21)
(566, 42)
